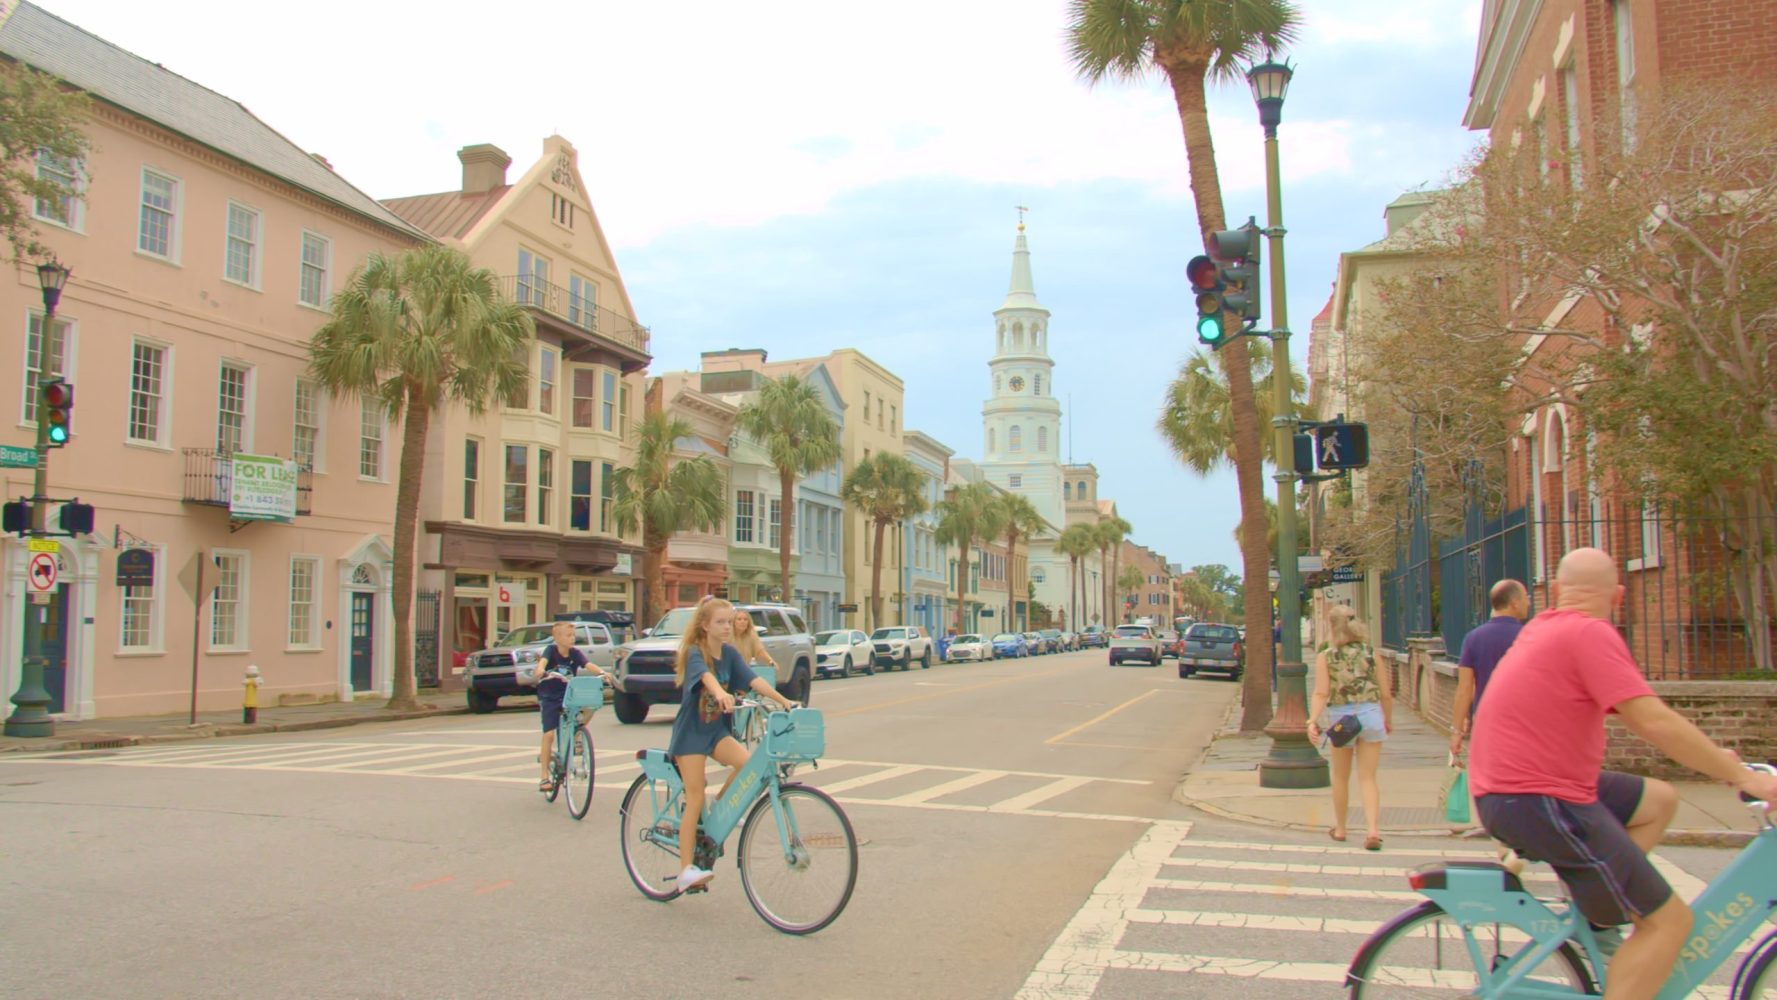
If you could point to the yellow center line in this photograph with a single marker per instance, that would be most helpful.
(946, 694)
(1089, 723)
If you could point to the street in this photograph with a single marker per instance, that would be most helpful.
(1017, 839)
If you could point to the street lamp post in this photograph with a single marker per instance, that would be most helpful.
(1292, 762)
(31, 718)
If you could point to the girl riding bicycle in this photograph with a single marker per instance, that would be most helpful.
(706, 669)
(746, 639)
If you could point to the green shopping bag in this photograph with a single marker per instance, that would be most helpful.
(1456, 793)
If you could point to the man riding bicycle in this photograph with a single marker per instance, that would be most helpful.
(1536, 770)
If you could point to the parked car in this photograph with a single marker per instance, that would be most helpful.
(492, 674)
(1093, 638)
(1171, 643)
(1070, 640)
(1134, 642)
(645, 666)
(1038, 645)
(840, 650)
(1057, 641)
(969, 647)
(1010, 644)
(901, 645)
(1213, 648)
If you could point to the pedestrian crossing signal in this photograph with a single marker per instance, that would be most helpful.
(1342, 446)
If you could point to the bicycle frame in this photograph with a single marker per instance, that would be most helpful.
(583, 694)
(1730, 910)
(759, 776)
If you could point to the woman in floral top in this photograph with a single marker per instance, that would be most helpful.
(1350, 679)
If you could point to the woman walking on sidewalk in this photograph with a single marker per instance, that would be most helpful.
(1351, 683)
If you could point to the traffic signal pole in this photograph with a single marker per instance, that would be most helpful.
(31, 718)
(1292, 762)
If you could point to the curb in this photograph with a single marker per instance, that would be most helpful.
(204, 731)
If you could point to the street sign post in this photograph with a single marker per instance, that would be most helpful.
(14, 457)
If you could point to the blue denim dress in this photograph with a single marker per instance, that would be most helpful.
(700, 724)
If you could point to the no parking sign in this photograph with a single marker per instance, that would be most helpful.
(40, 572)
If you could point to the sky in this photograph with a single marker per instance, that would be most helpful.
(803, 176)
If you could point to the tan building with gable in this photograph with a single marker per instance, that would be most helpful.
(517, 503)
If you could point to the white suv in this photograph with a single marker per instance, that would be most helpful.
(900, 645)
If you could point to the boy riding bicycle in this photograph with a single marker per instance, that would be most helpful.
(559, 662)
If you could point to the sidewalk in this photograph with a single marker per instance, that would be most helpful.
(1225, 783)
(133, 730)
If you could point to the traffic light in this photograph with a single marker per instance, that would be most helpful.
(1236, 252)
(1206, 285)
(76, 518)
(58, 406)
(18, 517)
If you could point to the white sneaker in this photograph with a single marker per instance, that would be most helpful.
(694, 877)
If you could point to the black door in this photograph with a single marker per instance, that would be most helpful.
(55, 646)
(363, 635)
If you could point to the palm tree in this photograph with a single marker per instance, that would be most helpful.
(1019, 519)
(416, 332)
(968, 515)
(1129, 580)
(1077, 542)
(1109, 533)
(665, 494)
(888, 489)
(1192, 42)
(1197, 418)
(791, 421)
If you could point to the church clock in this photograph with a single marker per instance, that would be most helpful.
(1018, 383)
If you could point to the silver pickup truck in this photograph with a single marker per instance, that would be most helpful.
(1212, 648)
(492, 674)
(645, 667)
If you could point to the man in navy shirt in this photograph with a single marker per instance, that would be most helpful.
(1482, 650)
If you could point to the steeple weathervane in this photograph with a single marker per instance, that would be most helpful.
(1021, 210)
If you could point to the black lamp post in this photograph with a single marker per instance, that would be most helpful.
(31, 718)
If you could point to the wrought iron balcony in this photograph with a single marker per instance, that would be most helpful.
(577, 311)
(209, 479)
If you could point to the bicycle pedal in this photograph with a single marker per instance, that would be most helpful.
(694, 890)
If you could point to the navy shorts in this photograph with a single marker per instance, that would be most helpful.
(1610, 878)
(551, 711)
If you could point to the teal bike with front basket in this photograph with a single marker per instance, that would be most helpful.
(1481, 934)
(570, 764)
(797, 855)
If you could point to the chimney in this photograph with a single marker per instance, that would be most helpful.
(484, 167)
(322, 160)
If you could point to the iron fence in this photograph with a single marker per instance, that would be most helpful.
(209, 479)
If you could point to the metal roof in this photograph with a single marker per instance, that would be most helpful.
(37, 38)
(449, 213)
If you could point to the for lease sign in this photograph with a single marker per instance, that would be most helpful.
(263, 489)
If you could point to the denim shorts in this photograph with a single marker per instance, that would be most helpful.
(1369, 715)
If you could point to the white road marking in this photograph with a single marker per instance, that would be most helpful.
(893, 771)
(1020, 803)
(1291, 868)
(947, 788)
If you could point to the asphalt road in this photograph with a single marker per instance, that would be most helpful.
(417, 859)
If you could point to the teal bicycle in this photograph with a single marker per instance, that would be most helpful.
(1481, 934)
(571, 763)
(797, 855)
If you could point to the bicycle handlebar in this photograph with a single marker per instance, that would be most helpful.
(1749, 800)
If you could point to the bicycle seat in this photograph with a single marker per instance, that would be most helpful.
(669, 758)
(1433, 876)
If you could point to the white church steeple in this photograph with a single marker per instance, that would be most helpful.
(1021, 419)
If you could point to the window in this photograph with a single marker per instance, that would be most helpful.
(64, 210)
(241, 259)
(147, 399)
(608, 400)
(990, 440)
(1036, 384)
(533, 279)
(471, 476)
(1015, 439)
(582, 297)
(1037, 575)
(546, 382)
(580, 495)
(545, 483)
(1623, 23)
(1570, 113)
(894, 420)
(743, 515)
(585, 385)
(561, 210)
(518, 481)
(306, 437)
(229, 601)
(158, 231)
(60, 351)
(304, 571)
(1015, 481)
(137, 618)
(996, 384)
(1067, 491)
(1043, 439)
(370, 438)
(231, 409)
(317, 257)
(623, 412)
(607, 497)
(820, 531)
(879, 423)
(520, 398)
(1540, 128)
(776, 507)
(1650, 537)
(866, 407)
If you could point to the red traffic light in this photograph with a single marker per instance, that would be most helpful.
(1202, 273)
(58, 394)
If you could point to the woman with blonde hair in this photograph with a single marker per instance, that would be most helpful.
(707, 669)
(1351, 683)
(746, 639)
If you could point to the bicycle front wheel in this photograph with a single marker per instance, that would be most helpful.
(650, 839)
(580, 773)
(1757, 978)
(556, 777)
(799, 875)
(1422, 954)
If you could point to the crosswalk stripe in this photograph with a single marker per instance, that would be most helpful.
(1294, 868)
(947, 788)
(465, 762)
(381, 762)
(894, 771)
(1329, 849)
(1266, 889)
(836, 762)
(1019, 803)
(280, 756)
(1253, 921)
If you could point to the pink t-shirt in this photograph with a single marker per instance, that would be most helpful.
(1540, 730)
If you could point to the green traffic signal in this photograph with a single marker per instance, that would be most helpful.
(1209, 329)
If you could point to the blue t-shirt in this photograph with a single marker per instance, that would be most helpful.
(569, 663)
(1483, 648)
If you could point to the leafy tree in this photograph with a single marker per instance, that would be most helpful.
(968, 515)
(792, 422)
(38, 116)
(887, 489)
(1221, 580)
(1077, 542)
(664, 493)
(1020, 519)
(416, 332)
(1129, 579)
(1191, 43)
(1109, 533)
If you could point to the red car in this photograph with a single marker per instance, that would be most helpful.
(1172, 644)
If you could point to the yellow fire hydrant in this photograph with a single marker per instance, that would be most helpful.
(250, 700)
